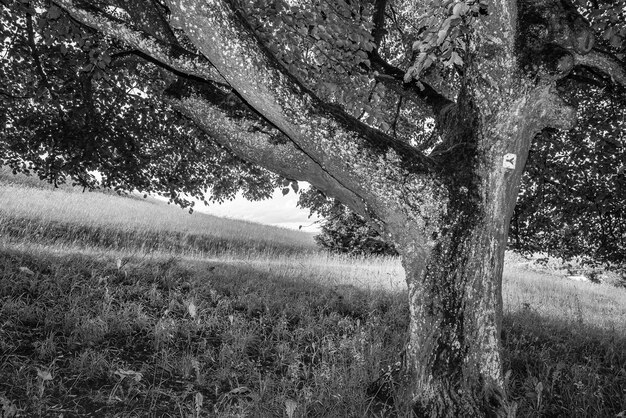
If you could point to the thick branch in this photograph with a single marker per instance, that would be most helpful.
(605, 63)
(393, 78)
(229, 122)
(379, 21)
(168, 54)
(371, 172)
(362, 159)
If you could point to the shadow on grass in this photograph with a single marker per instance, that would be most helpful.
(82, 336)
(172, 337)
(557, 368)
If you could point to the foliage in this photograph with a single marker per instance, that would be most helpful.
(75, 103)
(343, 231)
(349, 233)
(78, 104)
(573, 193)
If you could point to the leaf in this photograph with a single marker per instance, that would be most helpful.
(290, 407)
(456, 58)
(443, 33)
(54, 12)
(441, 36)
(285, 191)
(191, 308)
(460, 9)
(26, 271)
(44, 375)
(408, 76)
(122, 373)
(199, 401)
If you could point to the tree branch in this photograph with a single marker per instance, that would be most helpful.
(228, 121)
(379, 21)
(393, 77)
(604, 62)
(361, 159)
(170, 55)
(254, 147)
(373, 173)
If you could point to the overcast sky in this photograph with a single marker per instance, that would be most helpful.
(279, 211)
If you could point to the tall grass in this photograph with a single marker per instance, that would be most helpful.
(94, 328)
(95, 219)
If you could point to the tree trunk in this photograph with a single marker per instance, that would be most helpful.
(456, 315)
(455, 280)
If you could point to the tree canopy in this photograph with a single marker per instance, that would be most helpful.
(573, 193)
(419, 116)
(76, 105)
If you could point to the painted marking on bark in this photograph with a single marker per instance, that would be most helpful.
(509, 161)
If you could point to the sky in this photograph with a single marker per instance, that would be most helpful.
(278, 211)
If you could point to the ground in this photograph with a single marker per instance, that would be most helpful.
(112, 319)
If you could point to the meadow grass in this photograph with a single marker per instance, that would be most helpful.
(67, 216)
(90, 329)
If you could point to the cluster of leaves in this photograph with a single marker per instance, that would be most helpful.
(327, 46)
(573, 193)
(607, 19)
(348, 233)
(445, 35)
(77, 104)
(324, 44)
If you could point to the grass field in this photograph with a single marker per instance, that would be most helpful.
(32, 210)
(131, 308)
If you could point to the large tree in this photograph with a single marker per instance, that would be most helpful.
(419, 116)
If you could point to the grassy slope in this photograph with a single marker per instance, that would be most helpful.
(94, 329)
(65, 216)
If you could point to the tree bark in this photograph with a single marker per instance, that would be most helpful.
(454, 282)
(456, 307)
(456, 314)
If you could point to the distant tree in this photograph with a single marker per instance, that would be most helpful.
(343, 231)
(419, 116)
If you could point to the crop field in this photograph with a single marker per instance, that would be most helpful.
(123, 307)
